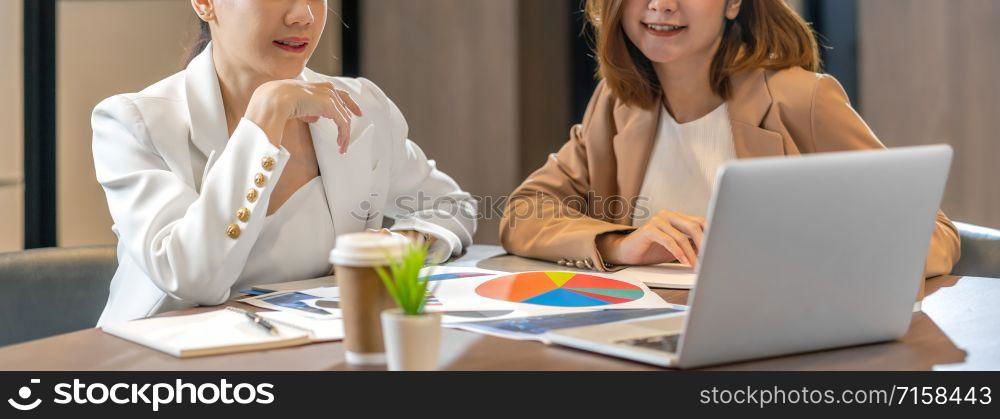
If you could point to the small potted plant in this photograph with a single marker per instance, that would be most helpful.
(412, 336)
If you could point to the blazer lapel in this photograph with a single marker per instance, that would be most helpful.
(209, 131)
(749, 105)
(633, 144)
(347, 178)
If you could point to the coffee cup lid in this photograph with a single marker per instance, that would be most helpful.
(367, 249)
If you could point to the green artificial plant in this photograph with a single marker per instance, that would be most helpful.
(403, 280)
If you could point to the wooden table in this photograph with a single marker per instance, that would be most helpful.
(959, 329)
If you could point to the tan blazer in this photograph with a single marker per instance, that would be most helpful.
(553, 215)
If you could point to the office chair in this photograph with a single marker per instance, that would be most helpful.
(980, 251)
(45, 292)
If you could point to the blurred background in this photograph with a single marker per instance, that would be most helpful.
(489, 88)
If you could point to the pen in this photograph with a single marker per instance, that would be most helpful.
(258, 320)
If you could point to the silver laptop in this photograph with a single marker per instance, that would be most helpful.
(801, 254)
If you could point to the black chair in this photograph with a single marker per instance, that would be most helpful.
(47, 292)
(980, 251)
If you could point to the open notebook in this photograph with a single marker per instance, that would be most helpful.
(224, 331)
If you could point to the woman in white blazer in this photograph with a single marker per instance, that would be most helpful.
(241, 169)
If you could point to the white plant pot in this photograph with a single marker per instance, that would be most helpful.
(412, 343)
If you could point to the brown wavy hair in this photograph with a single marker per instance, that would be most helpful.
(766, 34)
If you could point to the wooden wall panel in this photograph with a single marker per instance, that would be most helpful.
(105, 48)
(482, 83)
(11, 126)
(544, 81)
(451, 67)
(928, 72)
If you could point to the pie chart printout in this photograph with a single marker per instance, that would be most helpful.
(559, 289)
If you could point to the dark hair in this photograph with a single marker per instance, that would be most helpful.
(204, 37)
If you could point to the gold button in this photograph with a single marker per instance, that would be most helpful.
(243, 214)
(252, 196)
(267, 163)
(233, 231)
(259, 179)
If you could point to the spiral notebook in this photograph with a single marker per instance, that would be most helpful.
(224, 331)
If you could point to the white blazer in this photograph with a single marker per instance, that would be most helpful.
(175, 178)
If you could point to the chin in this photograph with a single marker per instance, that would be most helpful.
(660, 57)
(285, 72)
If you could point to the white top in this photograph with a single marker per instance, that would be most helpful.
(294, 242)
(681, 171)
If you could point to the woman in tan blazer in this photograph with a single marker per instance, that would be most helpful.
(668, 65)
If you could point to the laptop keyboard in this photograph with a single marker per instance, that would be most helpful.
(663, 343)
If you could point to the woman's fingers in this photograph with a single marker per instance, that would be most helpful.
(682, 240)
(343, 96)
(689, 227)
(334, 104)
(701, 222)
(668, 243)
(349, 102)
(343, 121)
(346, 115)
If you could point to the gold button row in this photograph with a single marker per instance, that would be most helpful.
(243, 214)
(581, 264)
(267, 163)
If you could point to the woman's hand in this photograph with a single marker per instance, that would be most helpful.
(414, 236)
(418, 238)
(666, 237)
(276, 102)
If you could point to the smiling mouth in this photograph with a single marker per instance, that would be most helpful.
(291, 44)
(663, 28)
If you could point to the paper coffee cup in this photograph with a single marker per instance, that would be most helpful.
(362, 294)
(364, 250)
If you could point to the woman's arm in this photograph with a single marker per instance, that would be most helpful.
(835, 126)
(180, 237)
(544, 217)
(422, 198)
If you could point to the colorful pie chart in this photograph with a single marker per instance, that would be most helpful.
(559, 289)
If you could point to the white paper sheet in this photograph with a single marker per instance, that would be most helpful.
(462, 295)
(536, 327)
(666, 275)
(328, 297)
(320, 330)
(291, 301)
(457, 317)
(458, 300)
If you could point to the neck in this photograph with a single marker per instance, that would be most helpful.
(237, 84)
(687, 88)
